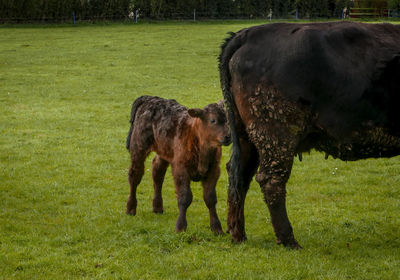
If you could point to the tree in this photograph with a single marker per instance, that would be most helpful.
(394, 4)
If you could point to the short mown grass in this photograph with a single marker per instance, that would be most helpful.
(65, 97)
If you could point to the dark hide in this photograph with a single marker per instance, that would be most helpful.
(188, 140)
(290, 88)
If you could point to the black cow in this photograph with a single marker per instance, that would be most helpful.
(334, 87)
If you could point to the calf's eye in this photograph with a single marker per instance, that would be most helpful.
(212, 121)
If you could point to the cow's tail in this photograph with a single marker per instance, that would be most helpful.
(229, 47)
(136, 104)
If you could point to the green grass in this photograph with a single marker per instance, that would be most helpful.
(65, 96)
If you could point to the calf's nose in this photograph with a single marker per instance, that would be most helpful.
(227, 140)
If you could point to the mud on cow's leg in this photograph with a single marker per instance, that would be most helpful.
(276, 129)
(158, 173)
(236, 198)
(272, 177)
(274, 172)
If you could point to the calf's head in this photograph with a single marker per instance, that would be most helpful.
(212, 124)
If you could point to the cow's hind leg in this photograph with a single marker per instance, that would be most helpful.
(159, 168)
(276, 132)
(272, 176)
(249, 163)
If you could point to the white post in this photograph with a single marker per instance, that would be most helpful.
(194, 15)
(270, 14)
(136, 15)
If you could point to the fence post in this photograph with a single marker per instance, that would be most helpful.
(73, 17)
(194, 15)
(344, 12)
(136, 15)
(297, 14)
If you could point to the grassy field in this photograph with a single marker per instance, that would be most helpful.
(65, 96)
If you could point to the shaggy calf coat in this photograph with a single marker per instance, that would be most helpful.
(188, 140)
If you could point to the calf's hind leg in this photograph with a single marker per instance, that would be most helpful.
(159, 168)
(135, 175)
(139, 152)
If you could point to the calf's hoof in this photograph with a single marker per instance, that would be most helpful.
(216, 228)
(180, 226)
(131, 212)
(291, 243)
(158, 206)
(237, 237)
(218, 231)
(179, 230)
(158, 210)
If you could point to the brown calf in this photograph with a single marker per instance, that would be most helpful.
(189, 140)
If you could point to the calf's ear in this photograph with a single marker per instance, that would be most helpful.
(221, 103)
(196, 113)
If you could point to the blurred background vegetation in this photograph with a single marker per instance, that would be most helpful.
(97, 10)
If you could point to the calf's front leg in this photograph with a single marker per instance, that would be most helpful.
(210, 198)
(184, 196)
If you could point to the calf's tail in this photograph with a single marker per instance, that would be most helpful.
(136, 104)
(228, 48)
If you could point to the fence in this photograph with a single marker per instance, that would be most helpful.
(200, 15)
